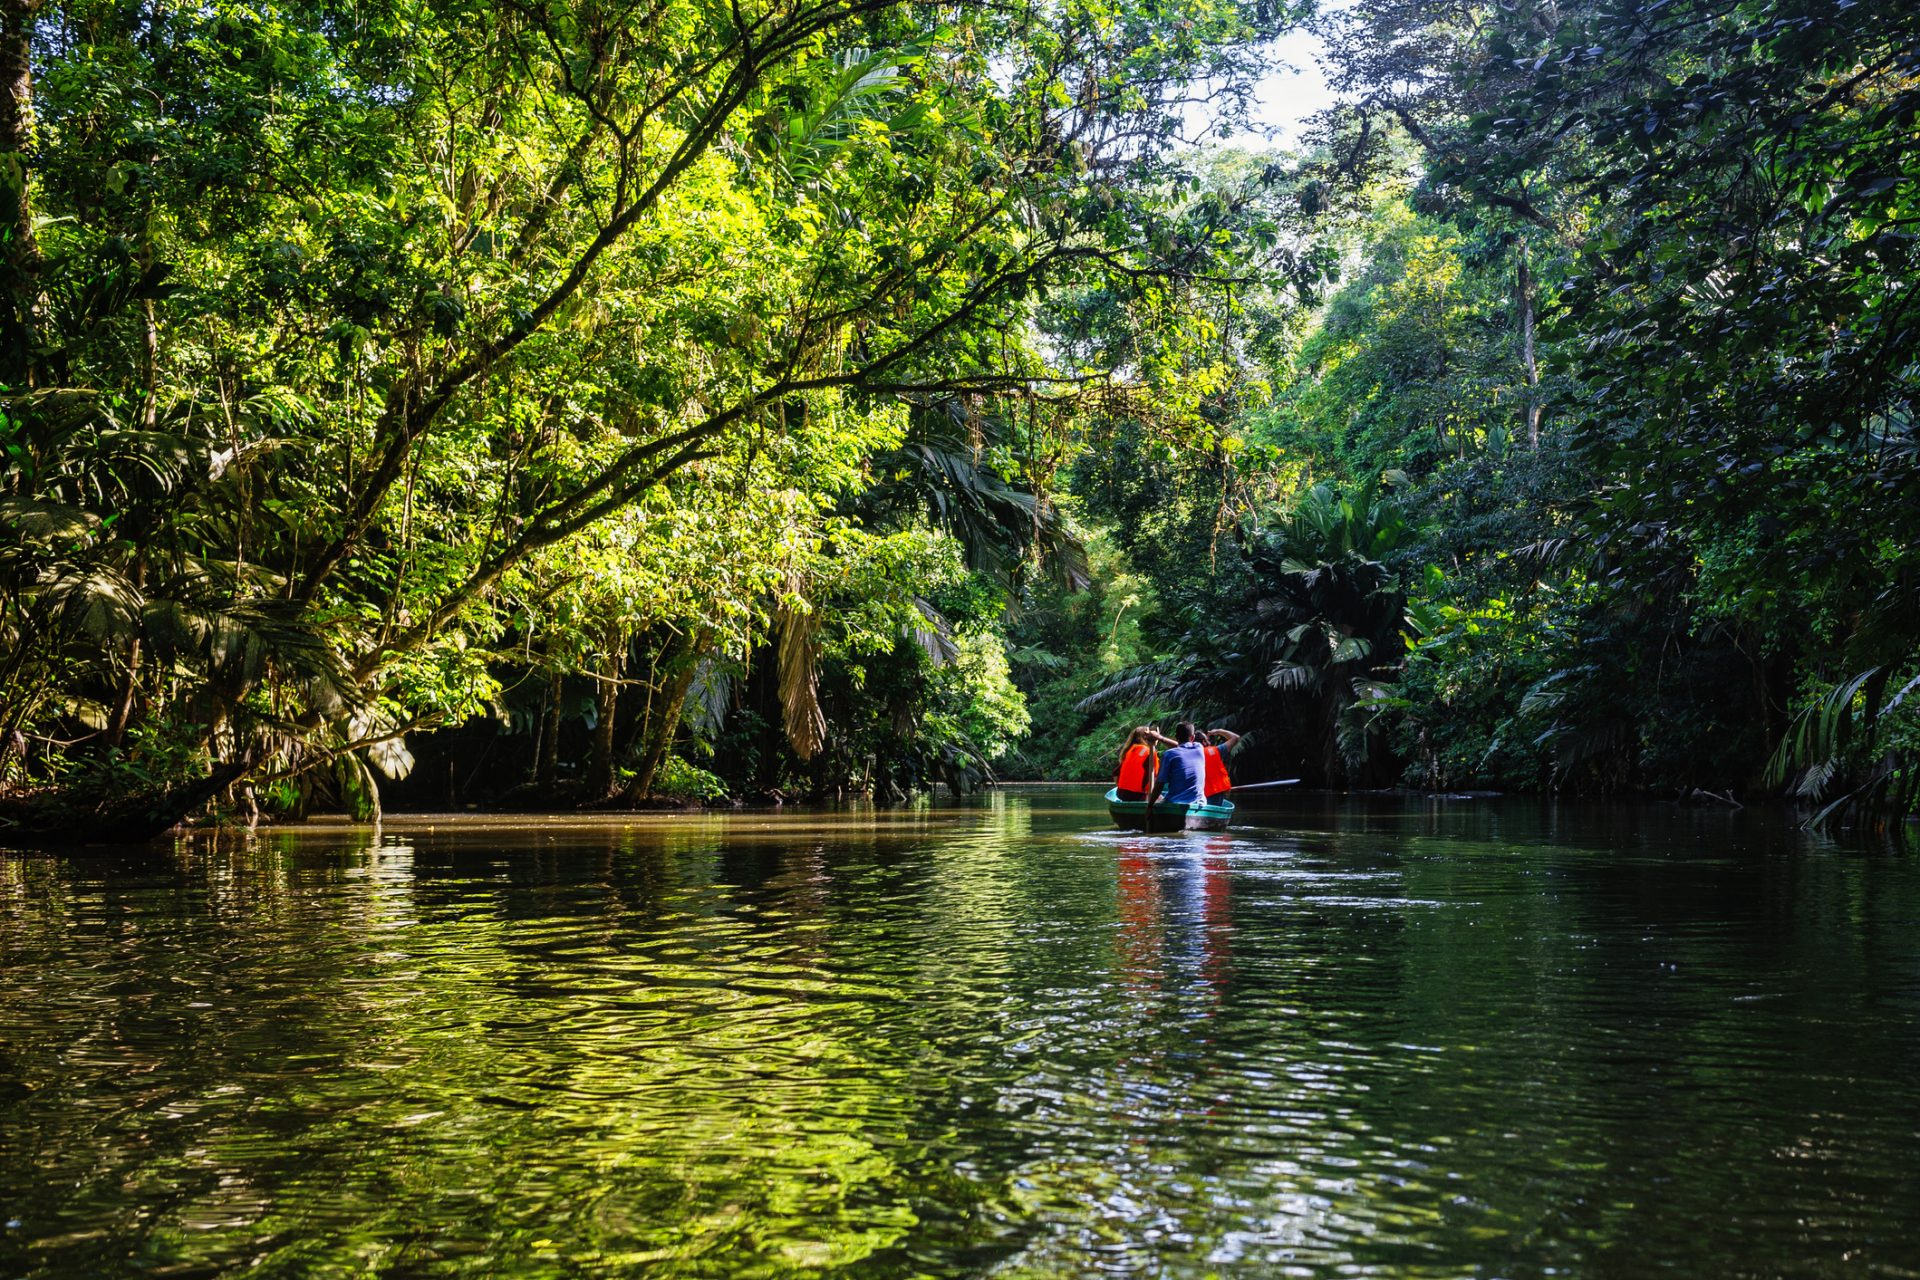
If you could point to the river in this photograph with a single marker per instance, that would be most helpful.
(1399, 1039)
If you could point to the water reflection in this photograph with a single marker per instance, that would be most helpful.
(964, 1040)
(1175, 917)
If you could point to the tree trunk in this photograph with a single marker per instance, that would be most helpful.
(22, 253)
(600, 753)
(677, 676)
(58, 820)
(150, 350)
(122, 714)
(766, 700)
(1528, 363)
(547, 753)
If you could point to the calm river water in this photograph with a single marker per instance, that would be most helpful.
(1407, 1040)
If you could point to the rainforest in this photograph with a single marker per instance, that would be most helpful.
(580, 403)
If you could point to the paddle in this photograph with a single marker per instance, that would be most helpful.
(1255, 786)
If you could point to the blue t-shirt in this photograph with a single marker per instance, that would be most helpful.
(1184, 771)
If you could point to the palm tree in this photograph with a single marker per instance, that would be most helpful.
(128, 612)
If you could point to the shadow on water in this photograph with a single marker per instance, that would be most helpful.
(1357, 1037)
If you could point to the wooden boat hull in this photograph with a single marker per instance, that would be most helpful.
(1131, 815)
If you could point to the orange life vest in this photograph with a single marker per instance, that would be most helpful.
(1217, 779)
(1136, 768)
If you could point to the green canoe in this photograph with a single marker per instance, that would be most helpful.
(1132, 814)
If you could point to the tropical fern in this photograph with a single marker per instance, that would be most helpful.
(807, 141)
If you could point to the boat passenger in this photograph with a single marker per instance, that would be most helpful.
(1218, 783)
(1182, 769)
(1138, 764)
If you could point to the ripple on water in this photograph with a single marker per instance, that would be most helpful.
(987, 1040)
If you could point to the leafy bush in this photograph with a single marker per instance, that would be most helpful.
(678, 780)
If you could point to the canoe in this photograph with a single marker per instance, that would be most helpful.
(1131, 815)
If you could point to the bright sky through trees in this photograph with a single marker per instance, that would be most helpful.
(1294, 89)
(1291, 91)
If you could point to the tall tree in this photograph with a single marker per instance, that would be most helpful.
(21, 258)
(355, 312)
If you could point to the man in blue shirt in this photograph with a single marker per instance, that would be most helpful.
(1183, 769)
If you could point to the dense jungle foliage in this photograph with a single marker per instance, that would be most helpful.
(561, 402)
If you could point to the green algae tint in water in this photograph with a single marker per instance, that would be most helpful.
(993, 1040)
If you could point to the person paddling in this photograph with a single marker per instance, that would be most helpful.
(1138, 764)
(1183, 769)
(1217, 782)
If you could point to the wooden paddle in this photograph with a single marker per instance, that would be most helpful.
(1255, 786)
(1146, 821)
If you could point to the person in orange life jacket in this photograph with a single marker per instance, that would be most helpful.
(1182, 770)
(1138, 764)
(1218, 783)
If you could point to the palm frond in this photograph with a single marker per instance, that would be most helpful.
(798, 656)
(1352, 649)
(94, 601)
(1145, 683)
(935, 637)
(1818, 733)
(709, 698)
(943, 474)
(811, 138)
(47, 522)
(1295, 677)
(1550, 692)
